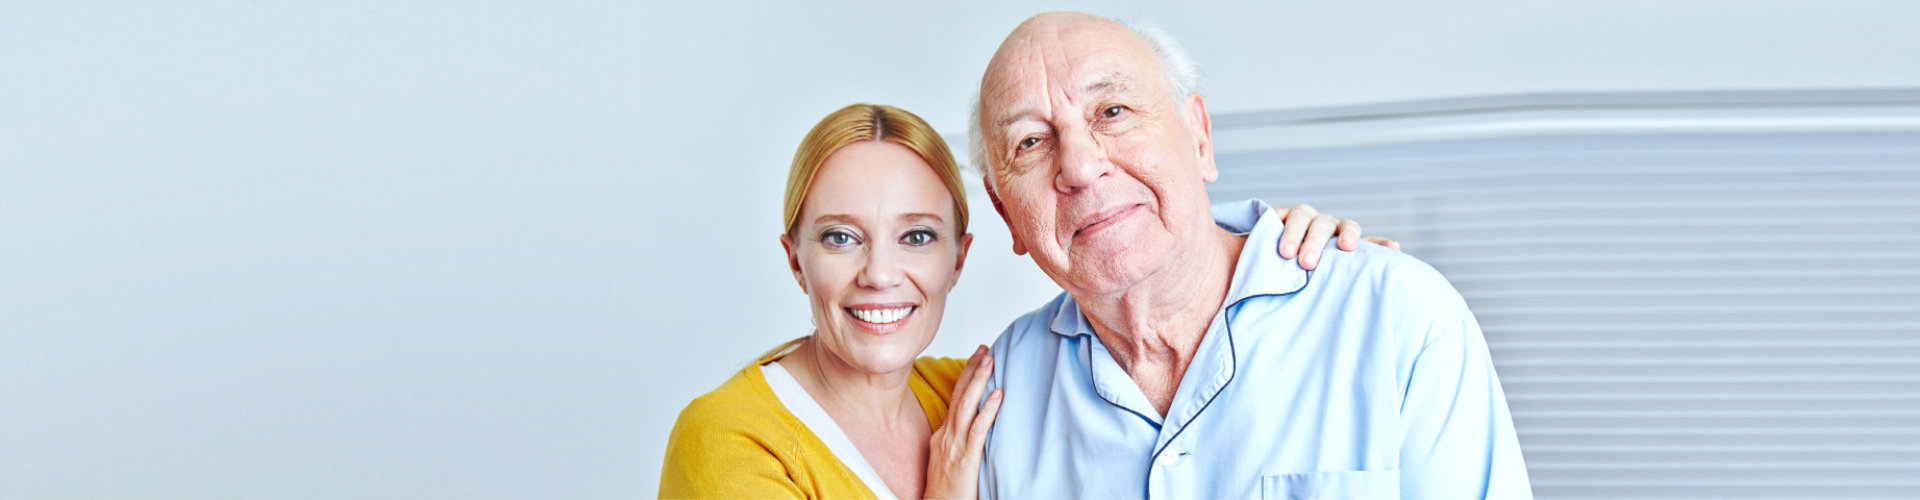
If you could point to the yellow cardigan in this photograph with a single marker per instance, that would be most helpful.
(738, 441)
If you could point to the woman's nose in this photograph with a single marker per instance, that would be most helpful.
(882, 269)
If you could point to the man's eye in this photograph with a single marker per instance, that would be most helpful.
(1113, 111)
(1029, 142)
(918, 237)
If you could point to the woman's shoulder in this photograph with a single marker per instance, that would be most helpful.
(940, 372)
(744, 398)
(736, 441)
(741, 417)
(940, 364)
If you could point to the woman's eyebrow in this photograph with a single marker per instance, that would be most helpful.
(921, 215)
(833, 219)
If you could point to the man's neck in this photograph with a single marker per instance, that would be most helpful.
(1154, 328)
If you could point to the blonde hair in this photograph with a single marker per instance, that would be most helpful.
(872, 122)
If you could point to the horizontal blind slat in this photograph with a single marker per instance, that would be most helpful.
(1697, 316)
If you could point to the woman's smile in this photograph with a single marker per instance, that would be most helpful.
(881, 319)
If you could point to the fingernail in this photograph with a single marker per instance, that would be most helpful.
(1311, 256)
(1288, 249)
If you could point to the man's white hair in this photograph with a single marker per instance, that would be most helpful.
(1182, 75)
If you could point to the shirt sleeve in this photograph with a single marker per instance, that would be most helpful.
(717, 453)
(989, 471)
(1239, 216)
(1457, 436)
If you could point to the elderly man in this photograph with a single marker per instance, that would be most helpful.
(1183, 361)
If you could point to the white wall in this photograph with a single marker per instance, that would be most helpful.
(377, 250)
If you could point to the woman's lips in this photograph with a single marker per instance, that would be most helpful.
(881, 319)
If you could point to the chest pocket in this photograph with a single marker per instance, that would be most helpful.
(1331, 485)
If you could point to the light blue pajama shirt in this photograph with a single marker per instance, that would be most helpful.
(1366, 378)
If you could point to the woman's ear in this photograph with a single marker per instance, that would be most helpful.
(793, 261)
(960, 258)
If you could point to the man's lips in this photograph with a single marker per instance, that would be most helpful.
(1105, 219)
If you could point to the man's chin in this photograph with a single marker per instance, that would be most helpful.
(1111, 277)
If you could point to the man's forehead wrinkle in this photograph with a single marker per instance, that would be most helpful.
(1010, 89)
(1021, 71)
(1071, 73)
(1007, 62)
(1036, 74)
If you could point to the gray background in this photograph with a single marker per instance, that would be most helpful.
(488, 250)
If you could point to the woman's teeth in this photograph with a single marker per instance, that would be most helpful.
(881, 316)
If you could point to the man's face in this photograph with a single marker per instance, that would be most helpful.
(1098, 172)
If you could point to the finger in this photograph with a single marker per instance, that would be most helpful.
(1297, 220)
(1318, 232)
(1377, 240)
(977, 436)
(961, 410)
(1349, 232)
(973, 363)
(960, 414)
(960, 385)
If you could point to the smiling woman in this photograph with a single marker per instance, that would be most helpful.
(876, 236)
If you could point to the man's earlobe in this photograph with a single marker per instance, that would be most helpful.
(993, 196)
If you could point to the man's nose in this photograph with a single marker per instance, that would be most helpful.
(882, 269)
(1082, 161)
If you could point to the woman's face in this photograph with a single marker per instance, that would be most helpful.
(876, 252)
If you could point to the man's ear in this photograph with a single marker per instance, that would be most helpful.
(1202, 128)
(793, 261)
(1018, 249)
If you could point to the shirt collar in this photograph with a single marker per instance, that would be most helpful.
(1068, 321)
(1258, 271)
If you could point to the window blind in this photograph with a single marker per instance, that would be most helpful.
(1707, 312)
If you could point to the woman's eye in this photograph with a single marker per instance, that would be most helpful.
(1029, 142)
(918, 238)
(837, 239)
(1113, 111)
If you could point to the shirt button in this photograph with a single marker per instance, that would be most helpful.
(1169, 457)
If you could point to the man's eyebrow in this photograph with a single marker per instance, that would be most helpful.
(1115, 82)
(1021, 114)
